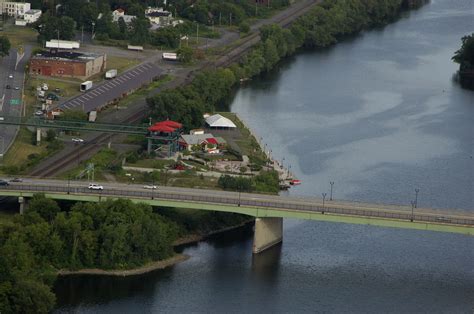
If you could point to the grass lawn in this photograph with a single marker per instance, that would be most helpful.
(151, 163)
(121, 64)
(18, 153)
(247, 143)
(18, 35)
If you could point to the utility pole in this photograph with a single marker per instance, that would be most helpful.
(197, 33)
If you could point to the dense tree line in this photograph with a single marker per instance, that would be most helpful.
(108, 235)
(320, 27)
(265, 181)
(188, 104)
(84, 15)
(465, 57)
(4, 46)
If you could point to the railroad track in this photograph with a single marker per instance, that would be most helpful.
(225, 59)
(76, 154)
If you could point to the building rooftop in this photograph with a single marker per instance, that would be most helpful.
(194, 139)
(33, 11)
(158, 14)
(66, 55)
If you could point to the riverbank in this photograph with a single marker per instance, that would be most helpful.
(152, 266)
(178, 258)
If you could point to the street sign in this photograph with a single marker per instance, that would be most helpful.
(14, 101)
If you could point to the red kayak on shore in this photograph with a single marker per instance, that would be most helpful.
(295, 182)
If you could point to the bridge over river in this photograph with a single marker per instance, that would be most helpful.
(269, 210)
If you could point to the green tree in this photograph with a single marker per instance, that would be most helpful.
(139, 33)
(185, 54)
(4, 46)
(465, 55)
(270, 54)
(244, 27)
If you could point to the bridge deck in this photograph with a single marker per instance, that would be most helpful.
(257, 205)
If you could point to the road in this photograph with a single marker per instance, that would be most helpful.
(11, 98)
(217, 197)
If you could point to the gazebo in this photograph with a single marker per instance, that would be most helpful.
(163, 136)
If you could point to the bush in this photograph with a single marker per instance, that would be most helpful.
(244, 27)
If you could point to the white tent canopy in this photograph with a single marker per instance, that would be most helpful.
(218, 121)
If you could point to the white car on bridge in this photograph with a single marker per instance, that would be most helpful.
(150, 187)
(94, 186)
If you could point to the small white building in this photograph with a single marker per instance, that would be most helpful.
(158, 16)
(20, 22)
(32, 16)
(62, 44)
(120, 13)
(15, 9)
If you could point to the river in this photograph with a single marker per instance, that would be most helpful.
(380, 115)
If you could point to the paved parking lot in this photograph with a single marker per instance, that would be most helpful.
(114, 89)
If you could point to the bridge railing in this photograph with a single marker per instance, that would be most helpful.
(267, 204)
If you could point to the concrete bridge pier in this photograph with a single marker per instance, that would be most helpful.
(38, 136)
(268, 232)
(23, 204)
(148, 150)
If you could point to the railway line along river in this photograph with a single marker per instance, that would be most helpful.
(380, 116)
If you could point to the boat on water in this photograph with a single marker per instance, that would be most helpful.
(295, 182)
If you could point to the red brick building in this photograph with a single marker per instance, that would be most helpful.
(67, 64)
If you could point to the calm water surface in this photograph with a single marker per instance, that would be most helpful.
(380, 116)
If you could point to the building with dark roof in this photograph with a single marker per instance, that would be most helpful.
(67, 64)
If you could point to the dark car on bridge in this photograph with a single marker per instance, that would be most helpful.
(3, 182)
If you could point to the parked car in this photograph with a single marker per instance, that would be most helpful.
(17, 87)
(150, 187)
(8, 86)
(77, 140)
(94, 186)
(39, 113)
(10, 76)
(16, 180)
(3, 182)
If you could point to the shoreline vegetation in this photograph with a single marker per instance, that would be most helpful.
(156, 265)
(465, 58)
(122, 235)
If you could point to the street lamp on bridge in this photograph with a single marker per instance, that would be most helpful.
(416, 197)
(331, 183)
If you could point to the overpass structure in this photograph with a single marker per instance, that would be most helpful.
(75, 125)
(269, 210)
